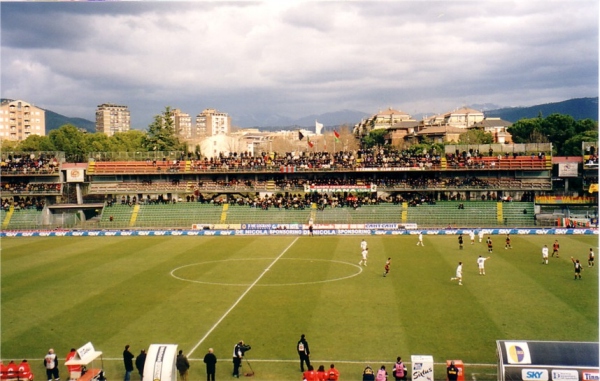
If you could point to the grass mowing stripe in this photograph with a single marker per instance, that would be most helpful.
(240, 298)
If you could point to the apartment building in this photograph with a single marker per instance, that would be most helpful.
(183, 124)
(112, 118)
(19, 120)
(212, 122)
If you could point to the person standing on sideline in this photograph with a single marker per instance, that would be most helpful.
(578, 268)
(399, 370)
(74, 370)
(310, 374)
(591, 258)
(368, 374)
(365, 255)
(489, 244)
(480, 236)
(472, 237)
(128, 362)
(481, 264)
(304, 351)
(183, 365)
(140, 362)
(507, 245)
(211, 365)
(333, 374)
(420, 242)
(452, 372)
(386, 267)
(381, 374)
(238, 354)
(545, 255)
(460, 241)
(458, 276)
(555, 248)
(51, 365)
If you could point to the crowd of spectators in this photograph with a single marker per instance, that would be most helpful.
(342, 160)
(22, 203)
(23, 187)
(28, 163)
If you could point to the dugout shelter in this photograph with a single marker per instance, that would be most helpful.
(160, 363)
(87, 355)
(547, 360)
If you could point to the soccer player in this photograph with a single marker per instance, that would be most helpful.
(363, 245)
(507, 245)
(472, 236)
(386, 268)
(481, 264)
(460, 241)
(480, 236)
(545, 255)
(555, 247)
(420, 239)
(578, 269)
(489, 244)
(458, 276)
(591, 258)
(365, 255)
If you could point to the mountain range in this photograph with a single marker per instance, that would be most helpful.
(578, 108)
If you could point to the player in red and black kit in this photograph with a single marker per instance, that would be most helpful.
(489, 244)
(555, 247)
(507, 245)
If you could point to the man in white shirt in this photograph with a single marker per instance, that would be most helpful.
(545, 254)
(481, 264)
(420, 239)
(458, 276)
(365, 254)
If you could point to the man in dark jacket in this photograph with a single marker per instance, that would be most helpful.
(140, 361)
(211, 365)
(182, 365)
(303, 352)
(128, 362)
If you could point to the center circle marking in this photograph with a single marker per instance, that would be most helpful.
(266, 285)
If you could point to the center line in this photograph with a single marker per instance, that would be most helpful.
(240, 298)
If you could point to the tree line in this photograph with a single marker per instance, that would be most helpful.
(564, 132)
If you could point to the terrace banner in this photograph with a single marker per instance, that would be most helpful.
(553, 200)
(340, 188)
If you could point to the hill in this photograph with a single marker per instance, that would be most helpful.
(578, 108)
(54, 121)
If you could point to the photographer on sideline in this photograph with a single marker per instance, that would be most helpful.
(238, 355)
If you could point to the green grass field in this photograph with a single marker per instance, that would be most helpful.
(201, 292)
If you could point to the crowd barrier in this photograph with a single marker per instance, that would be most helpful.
(292, 230)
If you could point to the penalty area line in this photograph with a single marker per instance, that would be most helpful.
(250, 287)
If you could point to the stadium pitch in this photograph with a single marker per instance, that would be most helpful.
(201, 292)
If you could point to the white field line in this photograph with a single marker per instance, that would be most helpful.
(240, 298)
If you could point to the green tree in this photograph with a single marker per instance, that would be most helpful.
(475, 136)
(70, 140)
(35, 143)
(161, 133)
(375, 138)
(130, 141)
(572, 147)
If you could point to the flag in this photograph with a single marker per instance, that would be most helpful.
(337, 135)
(593, 188)
(300, 136)
(310, 144)
(318, 127)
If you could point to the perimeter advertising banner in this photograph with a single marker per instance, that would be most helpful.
(547, 360)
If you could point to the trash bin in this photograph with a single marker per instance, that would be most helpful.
(461, 368)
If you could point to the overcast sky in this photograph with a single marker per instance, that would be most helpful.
(296, 58)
